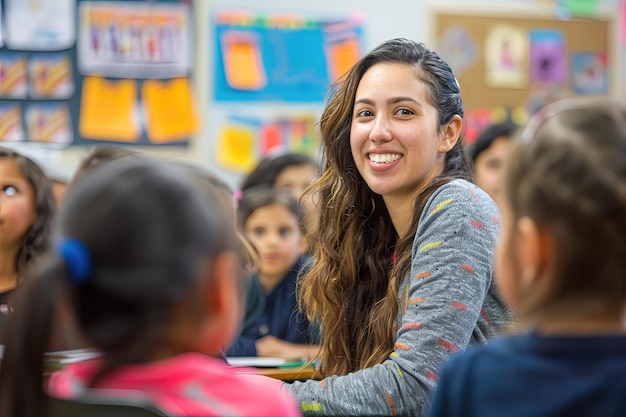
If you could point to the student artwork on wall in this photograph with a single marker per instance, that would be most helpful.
(589, 73)
(548, 56)
(40, 25)
(261, 58)
(506, 57)
(458, 49)
(78, 72)
(243, 141)
(134, 40)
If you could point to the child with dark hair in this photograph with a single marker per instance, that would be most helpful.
(272, 221)
(149, 266)
(489, 153)
(27, 206)
(560, 264)
(100, 155)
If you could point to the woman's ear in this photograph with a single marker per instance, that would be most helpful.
(451, 133)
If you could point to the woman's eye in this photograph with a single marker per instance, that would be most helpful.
(364, 113)
(404, 112)
(9, 190)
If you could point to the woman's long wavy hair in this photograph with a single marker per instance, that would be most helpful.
(352, 289)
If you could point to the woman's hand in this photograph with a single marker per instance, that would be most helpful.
(270, 346)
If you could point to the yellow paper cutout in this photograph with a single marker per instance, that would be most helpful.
(242, 62)
(171, 115)
(343, 55)
(235, 148)
(107, 110)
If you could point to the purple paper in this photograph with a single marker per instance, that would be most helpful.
(547, 56)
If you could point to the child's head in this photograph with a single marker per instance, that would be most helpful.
(290, 171)
(26, 207)
(100, 155)
(562, 251)
(489, 154)
(272, 220)
(148, 264)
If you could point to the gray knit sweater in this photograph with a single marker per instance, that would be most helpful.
(446, 303)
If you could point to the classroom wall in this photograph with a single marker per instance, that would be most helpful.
(383, 20)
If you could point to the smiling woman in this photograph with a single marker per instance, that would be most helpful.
(403, 263)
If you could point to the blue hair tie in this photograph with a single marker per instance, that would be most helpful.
(77, 259)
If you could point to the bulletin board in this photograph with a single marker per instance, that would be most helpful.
(457, 34)
(91, 71)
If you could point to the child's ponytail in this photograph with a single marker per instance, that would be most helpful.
(27, 338)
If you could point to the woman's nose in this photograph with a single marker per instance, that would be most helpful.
(380, 130)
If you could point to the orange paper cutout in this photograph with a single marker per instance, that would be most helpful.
(242, 62)
(171, 115)
(343, 55)
(108, 109)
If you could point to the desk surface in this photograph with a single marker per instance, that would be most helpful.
(289, 374)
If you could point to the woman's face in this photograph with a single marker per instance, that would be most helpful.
(489, 167)
(395, 137)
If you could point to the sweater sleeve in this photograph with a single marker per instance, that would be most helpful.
(440, 302)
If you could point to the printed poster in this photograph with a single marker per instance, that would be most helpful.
(49, 123)
(134, 40)
(51, 76)
(506, 57)
(13, 75)
(11, 123)
(458, 49)
(589, 73)
(547, 56)
(42, 25)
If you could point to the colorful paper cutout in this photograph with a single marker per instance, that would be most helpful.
(458, 49)
(134, 39)
(170, 110)
(235, 149)
(108, 110)
(589, 73)
(506, 57)
(51, 76)
(11, 123)
(547, 56)
(49, 123)
(342, 56)
(243, 64)
(13, 76)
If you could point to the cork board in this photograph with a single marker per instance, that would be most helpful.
(579, 36)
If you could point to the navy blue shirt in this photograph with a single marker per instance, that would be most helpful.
(533, 375)
(273, 313)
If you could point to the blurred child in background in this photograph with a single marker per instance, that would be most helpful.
(150, 268)
(272, 221)
(26, 209)
(489, 154)
(289, 171)
(560, 264)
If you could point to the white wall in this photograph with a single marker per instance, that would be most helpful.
(383, 20)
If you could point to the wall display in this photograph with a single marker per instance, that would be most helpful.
(262, 58)
(563, 58)
(113, 72)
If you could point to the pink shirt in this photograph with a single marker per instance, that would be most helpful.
(190, 384)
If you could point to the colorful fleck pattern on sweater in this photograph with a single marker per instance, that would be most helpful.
(447, 302)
